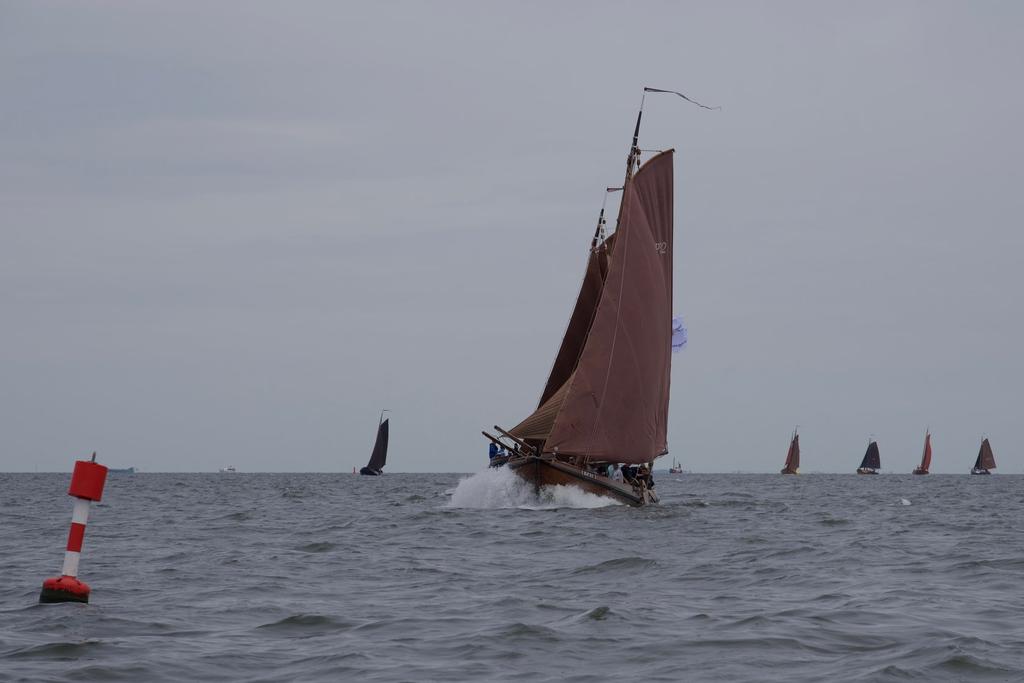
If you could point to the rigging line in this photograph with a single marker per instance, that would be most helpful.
(674, 92)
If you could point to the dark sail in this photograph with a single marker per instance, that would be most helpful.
(926, 457)
(986, 460)
(793, 456)
(579, 322)
(871, 459)
(380, 448)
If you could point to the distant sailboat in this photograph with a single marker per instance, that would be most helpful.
(926, 457)
(793, 456)
(986, 460)
(380, 449)
(871, 462)
(676, 467)
(230, 469)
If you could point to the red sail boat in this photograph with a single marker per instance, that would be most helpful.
(793, 456)
(986, 460)
(605, 403)
(926, 457)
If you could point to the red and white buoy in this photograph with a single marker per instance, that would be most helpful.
(86, 486)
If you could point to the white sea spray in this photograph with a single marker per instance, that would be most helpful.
(500, 488)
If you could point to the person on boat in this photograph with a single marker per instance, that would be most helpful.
(492, 451)
(645, 476)
(616, 473)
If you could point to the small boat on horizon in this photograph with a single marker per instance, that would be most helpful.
(926, 456)
(986, 460)
(230, 469)
(676, 468)
(121, 470)
(379, 455)
(871, 462)
(792, 465)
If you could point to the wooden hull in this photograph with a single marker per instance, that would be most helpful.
(918, 470)
(978, 470)
(789, 472)
(546, 471)
(866, 470)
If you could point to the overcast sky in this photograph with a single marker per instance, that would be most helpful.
(230, 233)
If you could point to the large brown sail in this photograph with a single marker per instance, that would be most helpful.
(615, 407)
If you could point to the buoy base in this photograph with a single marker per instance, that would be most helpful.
(64, 589)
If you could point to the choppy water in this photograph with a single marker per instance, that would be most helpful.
(421, 577)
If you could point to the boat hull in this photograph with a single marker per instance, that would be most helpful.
(371, 473)
(866, 470)
(918, 470)
(789, 472)
(979, 470)
(543, 471)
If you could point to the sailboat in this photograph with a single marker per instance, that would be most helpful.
(926, 456)
(380, 449)
(676, 468)
(605, 402)
(871, 462)
(986, 460)
(793, 456)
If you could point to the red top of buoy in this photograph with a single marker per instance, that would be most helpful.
(87, 480)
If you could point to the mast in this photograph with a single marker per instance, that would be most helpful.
(633, 158)
(634, 149)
